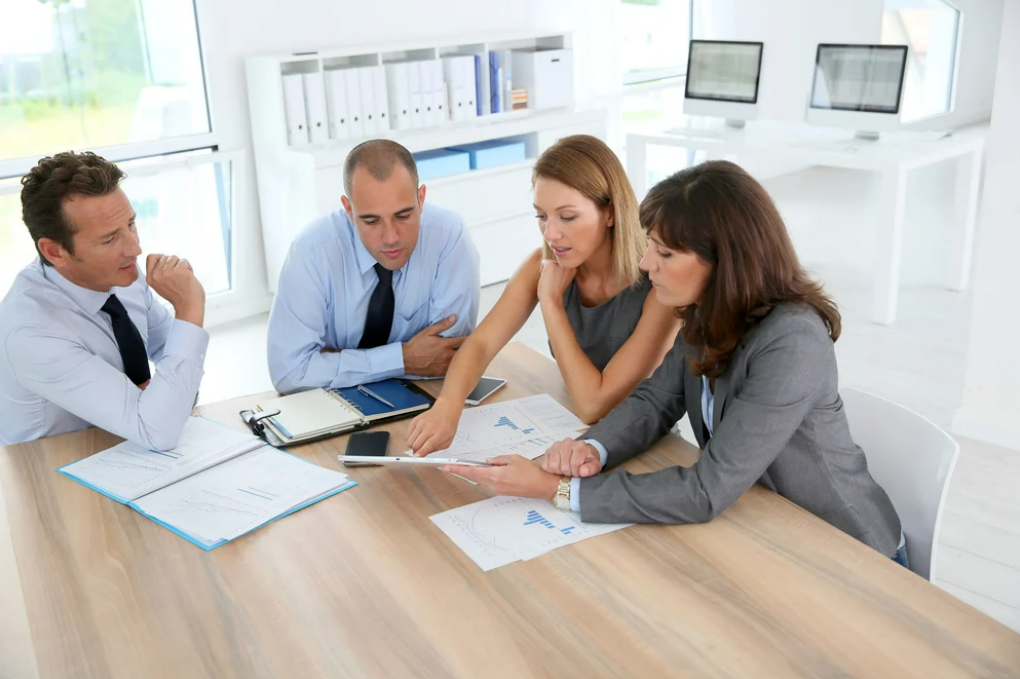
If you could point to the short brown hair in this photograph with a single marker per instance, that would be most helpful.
(587, 165)
(378, 156)
(51, 181)
(724, 216)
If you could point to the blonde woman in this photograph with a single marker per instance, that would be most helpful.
(605, 331)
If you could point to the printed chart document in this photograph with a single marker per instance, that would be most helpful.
(216, 485)
(524, 426)
(502, 530)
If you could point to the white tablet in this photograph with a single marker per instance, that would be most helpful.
(423, 461)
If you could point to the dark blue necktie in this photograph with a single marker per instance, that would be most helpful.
(129, 342)
(379, 320)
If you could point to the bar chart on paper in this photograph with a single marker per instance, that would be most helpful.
(501, 530)
(523, 426)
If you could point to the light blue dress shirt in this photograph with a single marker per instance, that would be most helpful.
(707, 407)
(325, 287)
(61, 370)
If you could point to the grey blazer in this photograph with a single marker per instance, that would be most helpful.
(778, 420)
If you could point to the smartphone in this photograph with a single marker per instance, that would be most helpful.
(367, 444)
(485, 388)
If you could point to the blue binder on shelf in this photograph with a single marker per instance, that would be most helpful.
(481, 97)
(494, 83)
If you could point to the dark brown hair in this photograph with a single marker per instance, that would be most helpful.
(56, 178)
(378, 156)
(720, 213)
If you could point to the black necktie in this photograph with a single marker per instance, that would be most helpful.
(380, 311)
(132, 348)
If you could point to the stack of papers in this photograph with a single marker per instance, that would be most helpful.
(524, 426)
(502, 530)
(216, 485)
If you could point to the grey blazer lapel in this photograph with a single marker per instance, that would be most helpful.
(692, 399)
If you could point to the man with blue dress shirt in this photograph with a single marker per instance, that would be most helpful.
(387, 287)
(79, 325)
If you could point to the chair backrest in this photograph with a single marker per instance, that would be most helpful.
(912, 459)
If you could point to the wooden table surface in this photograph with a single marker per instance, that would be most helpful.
(364, 585)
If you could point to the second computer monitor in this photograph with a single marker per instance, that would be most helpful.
(858, 86)
(722, 80)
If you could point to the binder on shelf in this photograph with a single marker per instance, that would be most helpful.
(459, 70)
(315, 107)
(399, 92)
(439, 112)
(352, 85)
(294, 109)
(494, 80)
(467, 69)
(506, 62)
(336, 105)
(382, 100)
(429, 89)
(366, 81)
(417, 102)
(481, 88)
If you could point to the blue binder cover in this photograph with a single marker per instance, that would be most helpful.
(393, 391)
(495, 86)
(480, 102)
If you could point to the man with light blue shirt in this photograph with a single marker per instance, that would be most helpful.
(386, 287)
(79, 325)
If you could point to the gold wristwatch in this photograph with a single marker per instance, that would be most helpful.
(562, 497)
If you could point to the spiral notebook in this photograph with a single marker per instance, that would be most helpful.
(320, 413)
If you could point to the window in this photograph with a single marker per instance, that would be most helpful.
(930, 28)
(123, 78)
(77, 74)
(655, 36)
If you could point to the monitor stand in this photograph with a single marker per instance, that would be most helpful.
(867, 135)
(736, 124)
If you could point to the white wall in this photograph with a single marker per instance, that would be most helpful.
(991, 401)
(234, 29)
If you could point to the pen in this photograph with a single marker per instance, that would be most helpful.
(272, 419)
(368, 392)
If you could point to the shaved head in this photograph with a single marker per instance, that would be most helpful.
(378, 157)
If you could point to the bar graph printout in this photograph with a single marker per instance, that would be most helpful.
(501, 530)
(524, 426)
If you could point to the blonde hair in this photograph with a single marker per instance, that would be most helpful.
(587, 165)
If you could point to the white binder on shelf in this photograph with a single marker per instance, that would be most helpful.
(467, 69)
(427, 109)
(352, 84)
(315, 107)
(366, 81)
(459, 70)
(294, 109)
(336, 105)
(382, 105)
(440, 114)
(399, 95)
(417, 101)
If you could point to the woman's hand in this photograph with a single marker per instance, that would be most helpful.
(553, 281)
(572, 458)
(512, 475)
(435, 428)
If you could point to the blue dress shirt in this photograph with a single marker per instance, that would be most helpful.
(61, 370)
(323, 294)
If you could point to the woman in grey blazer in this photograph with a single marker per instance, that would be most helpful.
(755, 369)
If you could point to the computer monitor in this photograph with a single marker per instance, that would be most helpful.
(858, 86)
(722, 80)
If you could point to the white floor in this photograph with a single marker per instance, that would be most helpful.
(918, 361)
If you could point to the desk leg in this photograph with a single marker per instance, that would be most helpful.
(889, 246)
(965, 207)
(637, 166)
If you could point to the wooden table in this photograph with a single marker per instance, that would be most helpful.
(364, 585)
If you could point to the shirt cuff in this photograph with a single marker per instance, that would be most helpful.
(603, 453)
(388, 359)
(187, 340)
(575, 494)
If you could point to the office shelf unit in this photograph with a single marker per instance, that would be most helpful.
(297, 183)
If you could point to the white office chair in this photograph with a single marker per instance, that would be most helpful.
(912, 459)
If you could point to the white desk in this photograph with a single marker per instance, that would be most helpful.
(893, 156)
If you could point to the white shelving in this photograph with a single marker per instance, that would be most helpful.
(299, 183)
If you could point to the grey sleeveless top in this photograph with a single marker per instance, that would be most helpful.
(603, 329)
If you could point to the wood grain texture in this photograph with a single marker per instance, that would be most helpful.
(364, 585)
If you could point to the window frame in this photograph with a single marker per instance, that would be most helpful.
(641, 77)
